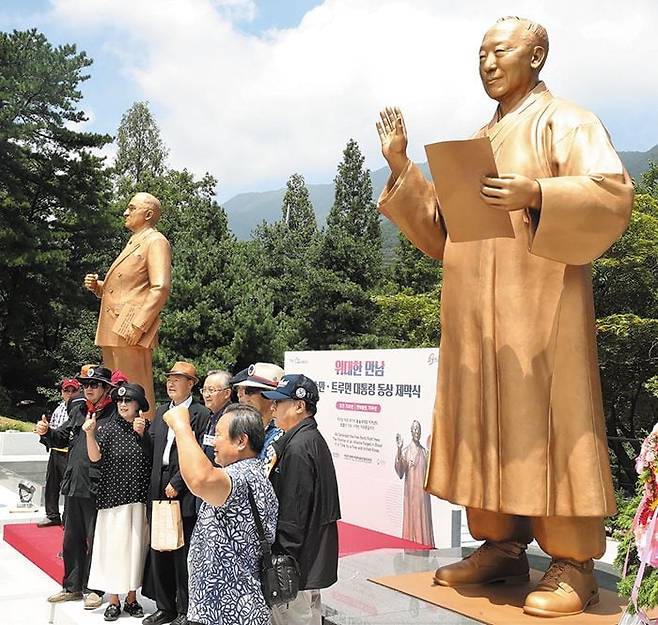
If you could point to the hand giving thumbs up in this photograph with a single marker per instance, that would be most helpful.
(42, 426)
(89, 426)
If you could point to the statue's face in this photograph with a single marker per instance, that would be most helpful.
(137, 214)
(415, 431)
(506, 62)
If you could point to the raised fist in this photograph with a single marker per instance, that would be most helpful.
(91, 281)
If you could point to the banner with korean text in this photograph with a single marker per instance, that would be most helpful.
(375, 412)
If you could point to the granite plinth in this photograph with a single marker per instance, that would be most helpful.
(354, 600)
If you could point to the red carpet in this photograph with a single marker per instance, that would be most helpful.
(41, 545)
(354, 539)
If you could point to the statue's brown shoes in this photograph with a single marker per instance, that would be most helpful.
(490, 563)
(568, 587)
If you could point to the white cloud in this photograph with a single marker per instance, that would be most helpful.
(254, 109)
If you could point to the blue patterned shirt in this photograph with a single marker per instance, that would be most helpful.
(225, 554)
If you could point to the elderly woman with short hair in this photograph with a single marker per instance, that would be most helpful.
(225, 545)
(124, 454)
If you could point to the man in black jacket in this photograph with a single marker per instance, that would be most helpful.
(165, 577)
(79, 484)
(304, 480)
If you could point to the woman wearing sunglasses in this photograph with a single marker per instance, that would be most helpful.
(123, 451)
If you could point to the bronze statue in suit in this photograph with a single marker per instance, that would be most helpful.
(135, 290)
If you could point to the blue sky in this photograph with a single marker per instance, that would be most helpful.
(253, 91)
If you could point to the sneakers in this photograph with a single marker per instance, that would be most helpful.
(568, 587)
(93, 601)
(64, 595)
(489, 563)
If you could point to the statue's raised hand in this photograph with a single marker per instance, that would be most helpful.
(393, 137)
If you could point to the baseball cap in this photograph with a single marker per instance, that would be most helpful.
(295, 386)
(262, 375)
(69, 383)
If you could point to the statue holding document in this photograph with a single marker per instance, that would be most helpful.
(135, 290)
(518, 436)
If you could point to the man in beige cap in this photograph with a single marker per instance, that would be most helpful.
(166, 573)
(262, 376)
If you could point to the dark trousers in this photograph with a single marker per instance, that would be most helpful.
(78, 542)
(54, 474)
(168, 574)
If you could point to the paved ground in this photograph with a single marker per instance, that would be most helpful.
(23, 589)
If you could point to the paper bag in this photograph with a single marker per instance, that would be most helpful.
(166, 526)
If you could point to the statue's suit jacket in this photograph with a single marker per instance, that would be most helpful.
(139, 279)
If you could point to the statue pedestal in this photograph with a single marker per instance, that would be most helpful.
(395, 599)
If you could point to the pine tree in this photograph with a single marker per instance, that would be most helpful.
(341, 311)
(54, 218)
(197, 320)
(297, 209)
(412, 271)
(141, 154)
(287, 253)
(352, 241)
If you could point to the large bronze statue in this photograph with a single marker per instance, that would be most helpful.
(519, 435)
(135, 290)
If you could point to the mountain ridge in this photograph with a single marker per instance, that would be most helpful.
(246, 210)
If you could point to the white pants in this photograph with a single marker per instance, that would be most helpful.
(120, 545)
(304, 610)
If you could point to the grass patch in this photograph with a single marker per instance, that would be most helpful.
(14, 424)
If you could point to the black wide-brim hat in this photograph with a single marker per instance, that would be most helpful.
(133, 392)
(98, 374)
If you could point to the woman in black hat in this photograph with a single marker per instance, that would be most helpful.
(122, 449)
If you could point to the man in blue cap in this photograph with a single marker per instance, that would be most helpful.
(304, 480)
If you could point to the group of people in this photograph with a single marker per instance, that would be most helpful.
(254, 436)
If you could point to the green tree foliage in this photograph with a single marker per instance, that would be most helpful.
(625, 284)
(408, 319)
(141, 155)
(297, 210)
(196, 318)
(352, 243)
(288, 252)
(649, 184)
(53, 217)
(412, 271)
(259, 332)
(341, 311)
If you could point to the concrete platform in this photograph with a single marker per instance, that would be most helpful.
(354, 600)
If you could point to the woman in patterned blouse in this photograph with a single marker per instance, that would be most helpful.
(225, 551)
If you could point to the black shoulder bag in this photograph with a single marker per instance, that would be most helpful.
(279, 574)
